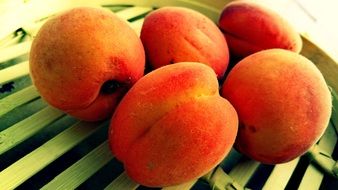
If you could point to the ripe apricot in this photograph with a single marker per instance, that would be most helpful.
(84, 60)
(177, 34)
(250, 27)
(167, 132)
(283, 105)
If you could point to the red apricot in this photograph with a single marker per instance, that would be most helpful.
(166, 131)
(283, 105)
(177, 34)
(250, 27)
(84, 60)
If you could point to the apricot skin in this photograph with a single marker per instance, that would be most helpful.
(167, 132)
(76, 52)
(283, 105)
(250, 27)
(177, 34)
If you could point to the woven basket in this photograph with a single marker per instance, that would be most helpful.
(41, 147)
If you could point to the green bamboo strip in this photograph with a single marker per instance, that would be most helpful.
(334, 115)
(280, 175)
(312, 179)
(5, 39)
(14, 51)
(17, 99)
(204, 8)
(219, 180)
(116, 3)
(115, 8)
(122, 182)
(129, 13)
(183, 186)
(32, 29)
(26, 128)
(75, 175)
(11, 41)
(14, 72)
(313, 176)
(243, 171)
(137, 26)
(328, 140)
(32, 163)
(208, 8)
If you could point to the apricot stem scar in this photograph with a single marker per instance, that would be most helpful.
(110, 86)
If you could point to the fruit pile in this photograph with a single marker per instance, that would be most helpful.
(179, 120)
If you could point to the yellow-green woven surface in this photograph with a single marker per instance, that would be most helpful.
(41, 147)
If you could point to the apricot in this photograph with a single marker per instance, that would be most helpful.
(84, 60)
(177, 34)
(283, 105)
(250, 27)
(166, 131)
